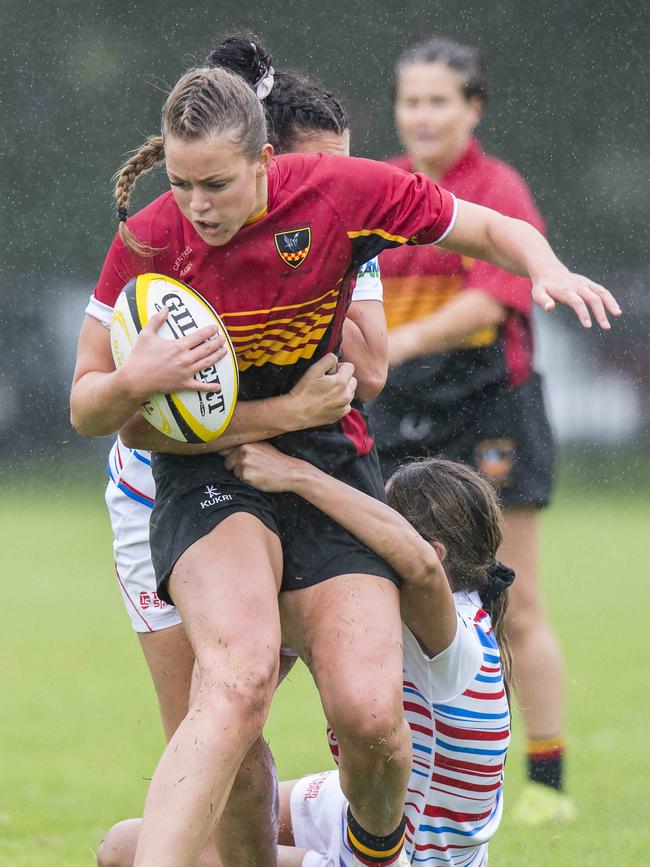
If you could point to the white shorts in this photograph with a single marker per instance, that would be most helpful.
(318, 811)
(318, 808)
(132, 554)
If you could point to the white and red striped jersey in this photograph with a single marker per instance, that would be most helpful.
(458, 713)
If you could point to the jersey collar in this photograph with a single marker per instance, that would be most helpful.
(469, 160)
(258, 215)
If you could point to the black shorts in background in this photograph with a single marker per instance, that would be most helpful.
(501, 431)
(195, 494)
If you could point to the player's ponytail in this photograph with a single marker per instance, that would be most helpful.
(144, 160)
(296, 107)
(452, 504)
(246, 56)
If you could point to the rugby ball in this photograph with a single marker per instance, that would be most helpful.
(187, 416)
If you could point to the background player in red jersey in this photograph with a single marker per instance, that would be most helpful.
(233, 205)
(462, 384)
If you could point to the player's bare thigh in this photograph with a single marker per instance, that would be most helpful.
(348, 630)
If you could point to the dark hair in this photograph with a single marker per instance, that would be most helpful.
(450, 503)
(463, 58)
(296, 105)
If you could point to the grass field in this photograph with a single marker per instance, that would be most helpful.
(79, 731)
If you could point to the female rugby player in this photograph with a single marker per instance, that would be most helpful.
(455, 677)
(305, 118)
(244, 224)
(462, 384)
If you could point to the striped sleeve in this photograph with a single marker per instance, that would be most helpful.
(448, 673)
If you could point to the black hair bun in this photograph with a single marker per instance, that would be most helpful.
(245, 55)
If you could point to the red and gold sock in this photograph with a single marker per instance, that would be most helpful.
(546, 761)
(372, 850)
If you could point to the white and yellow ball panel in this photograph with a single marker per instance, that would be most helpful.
(187, 416)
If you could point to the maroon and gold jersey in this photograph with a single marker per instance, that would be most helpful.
(418, 281)
(282, 285)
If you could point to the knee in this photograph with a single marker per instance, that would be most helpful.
(117, 849)
(373, 724)
(525, 615)
(244, 691)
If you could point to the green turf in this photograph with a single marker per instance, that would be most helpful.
(79, 732)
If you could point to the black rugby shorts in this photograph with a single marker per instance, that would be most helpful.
(502, 432)
(195, 494)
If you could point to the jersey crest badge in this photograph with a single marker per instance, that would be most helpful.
(293, 246)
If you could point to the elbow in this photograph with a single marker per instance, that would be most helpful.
(84, 425)
(428, 575)
(371, 383)
(81, 425)
(496, 315)
(77, 421)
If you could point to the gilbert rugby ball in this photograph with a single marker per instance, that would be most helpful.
(187, 416)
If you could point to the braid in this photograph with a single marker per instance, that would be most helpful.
(150, 154)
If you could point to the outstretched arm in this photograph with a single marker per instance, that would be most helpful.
(426, 600)
(518, 247)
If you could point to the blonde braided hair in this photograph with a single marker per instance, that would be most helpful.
(144, 160)
(205, 102)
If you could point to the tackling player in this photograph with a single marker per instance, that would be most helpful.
(462, 384)
(243, 224)
(444, 531)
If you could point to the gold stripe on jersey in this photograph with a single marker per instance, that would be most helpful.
(411, 298)
(333, 293)
(303, 325)
(284, 350)
(282, 340)
(282, 358)
(363, 233)
(243, 331)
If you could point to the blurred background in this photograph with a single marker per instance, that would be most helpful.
(81, 84)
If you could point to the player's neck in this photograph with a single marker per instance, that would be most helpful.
(261, 200)
(437, 169)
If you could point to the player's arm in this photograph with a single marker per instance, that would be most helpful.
(365, 344)
(446, 329)
(321, 396)
(103, 398)
(425, 596)
(516, 246)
